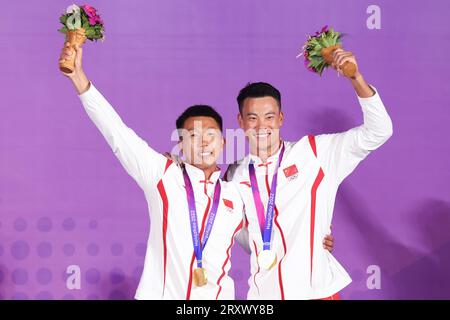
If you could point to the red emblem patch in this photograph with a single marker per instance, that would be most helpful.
(290, 171)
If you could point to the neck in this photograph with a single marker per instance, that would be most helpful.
(264, 154)
(208, 171)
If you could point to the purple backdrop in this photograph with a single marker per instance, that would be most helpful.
(65, 200)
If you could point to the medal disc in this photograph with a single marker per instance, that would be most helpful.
(267, 259)
(200, 278)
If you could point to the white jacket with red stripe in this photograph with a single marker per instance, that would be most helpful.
(308, 179)
(170, 259)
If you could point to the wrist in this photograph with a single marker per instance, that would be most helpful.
(362, 88)
(80, 82)
(357, 79)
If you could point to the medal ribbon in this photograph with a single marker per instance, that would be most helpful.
(198, 247)
(265, 222)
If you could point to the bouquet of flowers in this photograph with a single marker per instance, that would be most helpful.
(318, 51)
(79, 23)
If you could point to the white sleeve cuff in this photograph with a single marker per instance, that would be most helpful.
(89, 93)
(370, 100)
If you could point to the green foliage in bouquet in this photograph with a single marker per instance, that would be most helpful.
(312, 49)
(85, 17)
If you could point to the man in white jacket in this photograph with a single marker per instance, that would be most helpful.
(194, 215)
(289, 189)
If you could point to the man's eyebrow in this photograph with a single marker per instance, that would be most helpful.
(192, 129)
(254, 114)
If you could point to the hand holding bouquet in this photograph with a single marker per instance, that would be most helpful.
(321, 50)
(79, 23)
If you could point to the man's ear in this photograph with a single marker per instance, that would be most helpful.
(180, 146)
(281, 118)
(240, 120)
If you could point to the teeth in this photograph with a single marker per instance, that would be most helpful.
(205, 153)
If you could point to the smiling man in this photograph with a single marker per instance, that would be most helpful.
(194, 215)
(289, 189)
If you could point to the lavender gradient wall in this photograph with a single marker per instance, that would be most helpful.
(65, 200)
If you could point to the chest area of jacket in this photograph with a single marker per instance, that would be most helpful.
(295, 178)
(174, 205)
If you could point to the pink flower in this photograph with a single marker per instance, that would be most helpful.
(307, 63)
(92, 15)
(308, 67)
(94, 20)
(90, 11)
(324, 29)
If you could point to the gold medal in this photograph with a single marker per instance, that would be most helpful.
(200, 278)
(267, 259)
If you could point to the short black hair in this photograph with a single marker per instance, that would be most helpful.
(198, 110)
(258, 90)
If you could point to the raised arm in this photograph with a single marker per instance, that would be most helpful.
(139, 160)
(340, 153)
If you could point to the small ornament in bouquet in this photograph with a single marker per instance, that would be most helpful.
(318, 52)
(79, 23)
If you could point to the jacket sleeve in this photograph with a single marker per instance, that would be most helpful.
(139, 160)
(340, 153)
